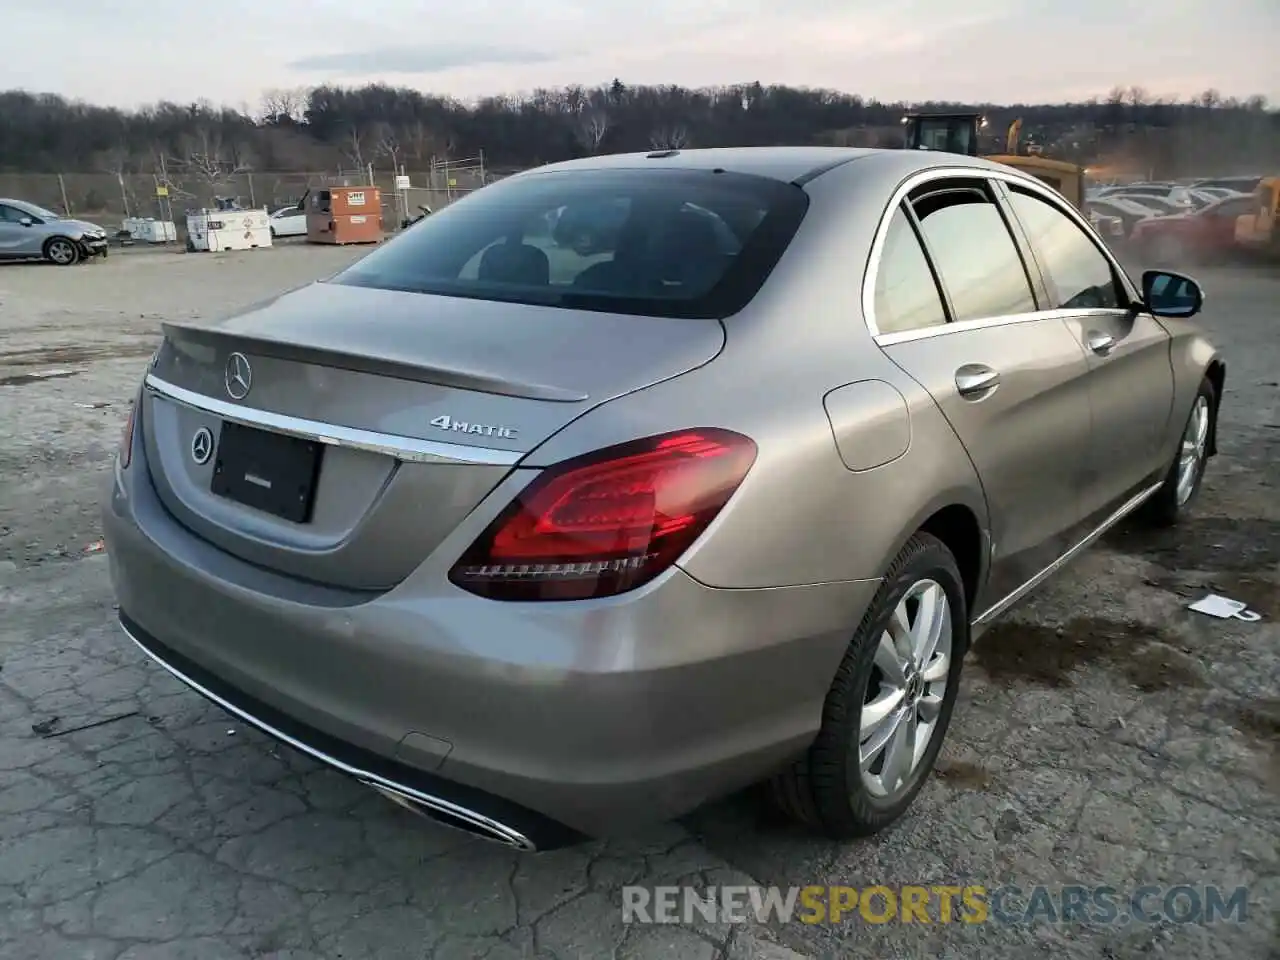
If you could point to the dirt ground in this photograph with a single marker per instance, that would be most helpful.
(1105, 735)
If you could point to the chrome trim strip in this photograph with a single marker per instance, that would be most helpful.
(412, 449)
(924, 333)
(966, 172)
(484, 825)
(1130, 505)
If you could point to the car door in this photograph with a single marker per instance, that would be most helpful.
(1127, 350)
(13, 235)
(955, 309)
(1220, 223)
(294, 223)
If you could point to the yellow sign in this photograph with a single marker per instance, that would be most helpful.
(453, 182)
(162, 191)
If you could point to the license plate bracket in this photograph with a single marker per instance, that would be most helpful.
(270, 472)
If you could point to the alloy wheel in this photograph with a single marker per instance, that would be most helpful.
(906, 690)
(62, 252)
(1195, 441)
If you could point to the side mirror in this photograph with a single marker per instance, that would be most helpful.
(27, 222)
(1171, 295)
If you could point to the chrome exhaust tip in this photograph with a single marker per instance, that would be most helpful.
(455, 817)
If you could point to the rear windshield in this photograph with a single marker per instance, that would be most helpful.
(662, 243)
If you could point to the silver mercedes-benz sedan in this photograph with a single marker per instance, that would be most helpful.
(545, 538)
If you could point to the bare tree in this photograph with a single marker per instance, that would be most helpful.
(591, 127)
(280, 106)
(162, 166)
(1210, 99)
(114, 161)
(386, 144)
(421, 142)
(206, 157)
(353, 146)
(674, 137)
(117, 162)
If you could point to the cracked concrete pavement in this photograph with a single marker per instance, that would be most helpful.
(1105, 735)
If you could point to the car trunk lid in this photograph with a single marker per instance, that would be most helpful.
(405, 410)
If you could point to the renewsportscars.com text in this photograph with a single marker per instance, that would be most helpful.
(937, 904)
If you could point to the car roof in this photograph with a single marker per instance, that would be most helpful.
(22, 204)
(788, 164)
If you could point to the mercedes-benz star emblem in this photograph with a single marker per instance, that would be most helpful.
(238, 378)
(202, 446)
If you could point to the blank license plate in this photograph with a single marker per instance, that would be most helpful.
(268, 471)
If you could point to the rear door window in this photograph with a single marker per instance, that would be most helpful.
(668, 243)
(973, 251)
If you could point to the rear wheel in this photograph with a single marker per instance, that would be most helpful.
(888, 709)
(1182, 482)
(61, 251)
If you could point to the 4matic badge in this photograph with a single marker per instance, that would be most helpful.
(447, 422)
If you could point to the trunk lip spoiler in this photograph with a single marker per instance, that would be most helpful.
(410, 449)
(376, 364)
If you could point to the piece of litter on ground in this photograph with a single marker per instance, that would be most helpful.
(1224, 608)
(96, 547)
(93, 406)
(231, 733)
(42, 728)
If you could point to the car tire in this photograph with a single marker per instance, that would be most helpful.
(831, 788)
(1186, 473)
(62, 252)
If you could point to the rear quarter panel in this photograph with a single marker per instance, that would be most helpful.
(801, 516)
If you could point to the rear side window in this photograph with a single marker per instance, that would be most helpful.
(650, 242)
(906, 295)
(973, 252)
(1082, 276)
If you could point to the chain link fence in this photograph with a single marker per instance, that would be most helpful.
(108, 198)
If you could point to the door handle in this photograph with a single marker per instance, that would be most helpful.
(975, 379)
(1101, 343)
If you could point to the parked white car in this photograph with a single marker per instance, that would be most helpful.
(289, 222)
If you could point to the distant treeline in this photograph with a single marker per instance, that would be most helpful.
(329, 127)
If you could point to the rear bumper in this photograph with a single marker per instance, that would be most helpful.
(471, 810)
(532, 724)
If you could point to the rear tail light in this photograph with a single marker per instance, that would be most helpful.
(126, 438)
(608, 522)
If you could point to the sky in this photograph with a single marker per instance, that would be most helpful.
(131, 52)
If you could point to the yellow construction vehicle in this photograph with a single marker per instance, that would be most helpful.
(959, 132)
(1259, 231)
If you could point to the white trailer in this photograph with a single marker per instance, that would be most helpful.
(150, 230)
(228, 229)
